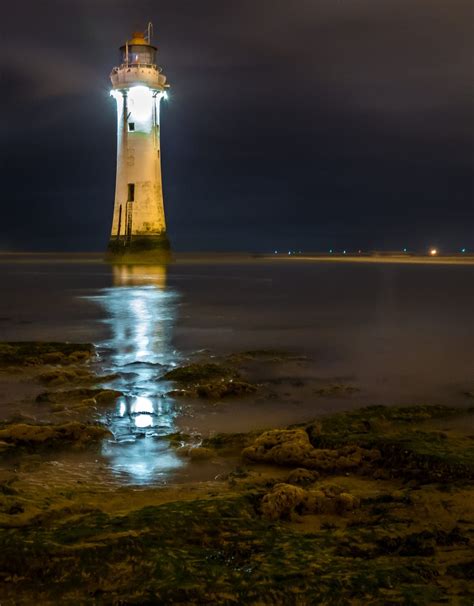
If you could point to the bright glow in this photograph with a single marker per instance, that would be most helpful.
(404, 250)
(344, 252)
(140, 103)
(463, 250)
(330, 251)
(433, 252)
(142, 404)
(142, 421)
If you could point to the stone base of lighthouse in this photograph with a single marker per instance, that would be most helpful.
(123, 249)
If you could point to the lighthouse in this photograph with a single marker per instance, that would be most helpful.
(138, 86)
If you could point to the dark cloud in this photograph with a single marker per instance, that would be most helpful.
(307, 124)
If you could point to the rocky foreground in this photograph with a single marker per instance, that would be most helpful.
(374, 506)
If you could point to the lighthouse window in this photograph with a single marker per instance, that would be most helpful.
(131, 126)
(131, 192)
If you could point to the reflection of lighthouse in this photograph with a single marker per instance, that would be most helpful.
(138, 87)
(140, 311)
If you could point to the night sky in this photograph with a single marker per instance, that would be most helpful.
(310, 124)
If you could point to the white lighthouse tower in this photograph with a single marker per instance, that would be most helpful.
(138, 86)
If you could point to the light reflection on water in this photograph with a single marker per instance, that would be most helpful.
(140, 313)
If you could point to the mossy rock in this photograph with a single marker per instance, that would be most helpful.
(199, 373)
(98, 396)
(229, 442)
(262, 355)
(62, 376)
(290, 447)
(33, 437)
(35, 353)
(217, 389)
(401, 434)
(214, 551)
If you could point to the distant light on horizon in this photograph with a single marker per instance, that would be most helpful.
(433, 252)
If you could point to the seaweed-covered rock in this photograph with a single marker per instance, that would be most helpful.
(281, 446)
(406, 445)
(346, 502)
(262, 355)
(302, 477)
(82, 396)
(286, 499)
(208, 381)
(60, 376)
(228, 442)
(293, 447)
(47, 436)
(335, 390)
(317, 502)
(28, 353)
(281, 501)
(199, 373)
(215, 390)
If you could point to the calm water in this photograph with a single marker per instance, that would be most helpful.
(401, 333)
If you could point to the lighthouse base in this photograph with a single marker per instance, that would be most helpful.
(139, 249)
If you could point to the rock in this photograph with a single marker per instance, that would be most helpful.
(83, 397)
(282, 501)
(4, 446)
(292, 447)
(224, 389)
(215, 390)
(302, 477)
(21, 417)
(346, 502)
(281, 446)
(60, 376)
(381, 474)
(265, 355)
(34, 436)
(198, 373)
(54, 357)
(317, 502)
(208, 381)
(334, 390)
(30, 353)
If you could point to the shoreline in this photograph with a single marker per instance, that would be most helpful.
(231, 258)
(367, 506)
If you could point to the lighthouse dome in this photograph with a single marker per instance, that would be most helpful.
(138, 65)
